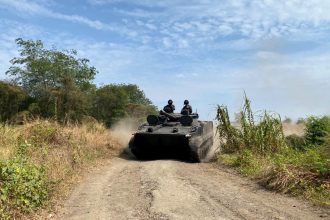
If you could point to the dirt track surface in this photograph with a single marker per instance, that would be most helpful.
(165, 189)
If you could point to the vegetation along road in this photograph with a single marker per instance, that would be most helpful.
(167, 189)
(54, 124)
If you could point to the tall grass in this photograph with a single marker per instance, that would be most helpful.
(43, 156)
(258, 147)
(261, 136)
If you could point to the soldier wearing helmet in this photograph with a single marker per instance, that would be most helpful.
(186, 110)
(169, 108)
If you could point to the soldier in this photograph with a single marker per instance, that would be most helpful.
(169, 108)
(186, 110)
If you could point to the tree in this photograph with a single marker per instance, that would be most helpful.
(138, 104)
(59, 85)
(135, 95)
(12, 100)
(110, 103)
(58, 80)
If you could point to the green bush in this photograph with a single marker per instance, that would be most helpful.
(296, 142)
(256, 146)
(311, 160)
(301, 121)
(248, 163)
(317, 128)
(44, 132)
(301, 173)
(12, 100)
(21, 118)
(23, 186)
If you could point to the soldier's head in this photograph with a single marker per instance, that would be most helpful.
(170, 102)
(186, 102)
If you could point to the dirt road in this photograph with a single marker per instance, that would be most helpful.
(128, 189)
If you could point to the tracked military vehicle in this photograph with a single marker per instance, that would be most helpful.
(173, 136)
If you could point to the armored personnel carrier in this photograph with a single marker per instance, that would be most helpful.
(173, 136)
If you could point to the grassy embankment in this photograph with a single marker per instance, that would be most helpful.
(39, 159)
(258, 148)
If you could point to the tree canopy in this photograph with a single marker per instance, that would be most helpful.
(113, 101)
(12, 100)
(58, 84)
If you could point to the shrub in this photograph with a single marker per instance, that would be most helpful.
(317, 128)
(311, 160)
(301, 121)
(296, 142)
(262, 136)
(43, 156)
(259, 149)
(248, 162)
(43, 133)
(281, 178)
(22, 185)
(12, 100)
(21, 118)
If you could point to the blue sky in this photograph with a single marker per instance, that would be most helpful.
(210, 52)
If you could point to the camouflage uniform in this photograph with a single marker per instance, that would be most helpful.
(169, 108)
(187, 108)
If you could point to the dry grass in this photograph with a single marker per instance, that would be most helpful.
(62, 150)
(8, 138)
(258, 147)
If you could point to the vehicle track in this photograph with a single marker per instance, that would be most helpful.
(167, 189)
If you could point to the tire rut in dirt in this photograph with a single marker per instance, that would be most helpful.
(244, 199)
(122, 192)
(166, 189)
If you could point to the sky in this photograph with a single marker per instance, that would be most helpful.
(209, 52)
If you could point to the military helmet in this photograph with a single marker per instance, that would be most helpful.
(170, 102)
(186, 102)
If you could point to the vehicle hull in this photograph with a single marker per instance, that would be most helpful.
(148, 146)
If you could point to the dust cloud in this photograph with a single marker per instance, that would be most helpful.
(290, 84)
(293, 129)
(215, 148)
(123, 130)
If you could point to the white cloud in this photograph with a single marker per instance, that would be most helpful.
(167, 42)
(214, 51)
(180, 75)
(34, 8)
(8, 48)
(151, 26)
(183, 43)
(206, 21)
